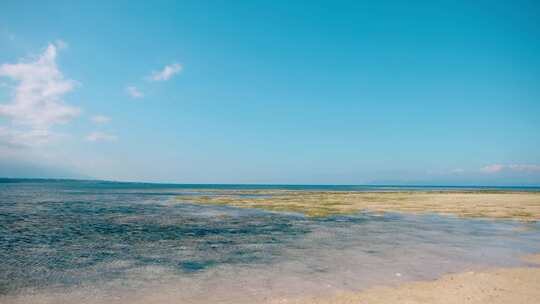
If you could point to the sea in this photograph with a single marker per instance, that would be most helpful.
(74, 241)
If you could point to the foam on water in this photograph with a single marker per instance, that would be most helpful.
(73, 242)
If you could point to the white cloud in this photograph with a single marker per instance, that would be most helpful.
(100, 136)
(37, 103)
(496, 168)
(524, 168)
(134, 92)
(100, 119)
(61, 44)
(490, 169)
(167, 72)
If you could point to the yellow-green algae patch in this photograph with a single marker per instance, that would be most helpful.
(491, 204)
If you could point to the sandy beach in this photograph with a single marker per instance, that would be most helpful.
(519, 285)
(497, 286)
(489, 204)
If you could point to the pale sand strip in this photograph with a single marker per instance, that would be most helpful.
(490, 204)
(497, 286)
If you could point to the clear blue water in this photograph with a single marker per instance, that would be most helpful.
(60, 236)
(93, 184)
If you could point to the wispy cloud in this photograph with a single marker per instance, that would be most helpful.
(15, 138)
(100, 136)
(490, 169)
(167, 72)
(496, 168)
(100, 119)
(37, 103)
(524, 168)
(134, 92)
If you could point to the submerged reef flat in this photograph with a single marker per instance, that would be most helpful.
(520, 205)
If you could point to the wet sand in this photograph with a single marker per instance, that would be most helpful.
(498, 286)
(489, 204)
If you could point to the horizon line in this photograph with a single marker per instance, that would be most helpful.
(3, 179)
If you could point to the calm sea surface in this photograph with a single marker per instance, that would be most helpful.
(100, 242)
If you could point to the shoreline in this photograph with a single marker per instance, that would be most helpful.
(499, 285)
(493, 286)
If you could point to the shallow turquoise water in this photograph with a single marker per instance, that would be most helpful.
(66, 235)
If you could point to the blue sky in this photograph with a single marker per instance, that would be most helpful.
(335, 92)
